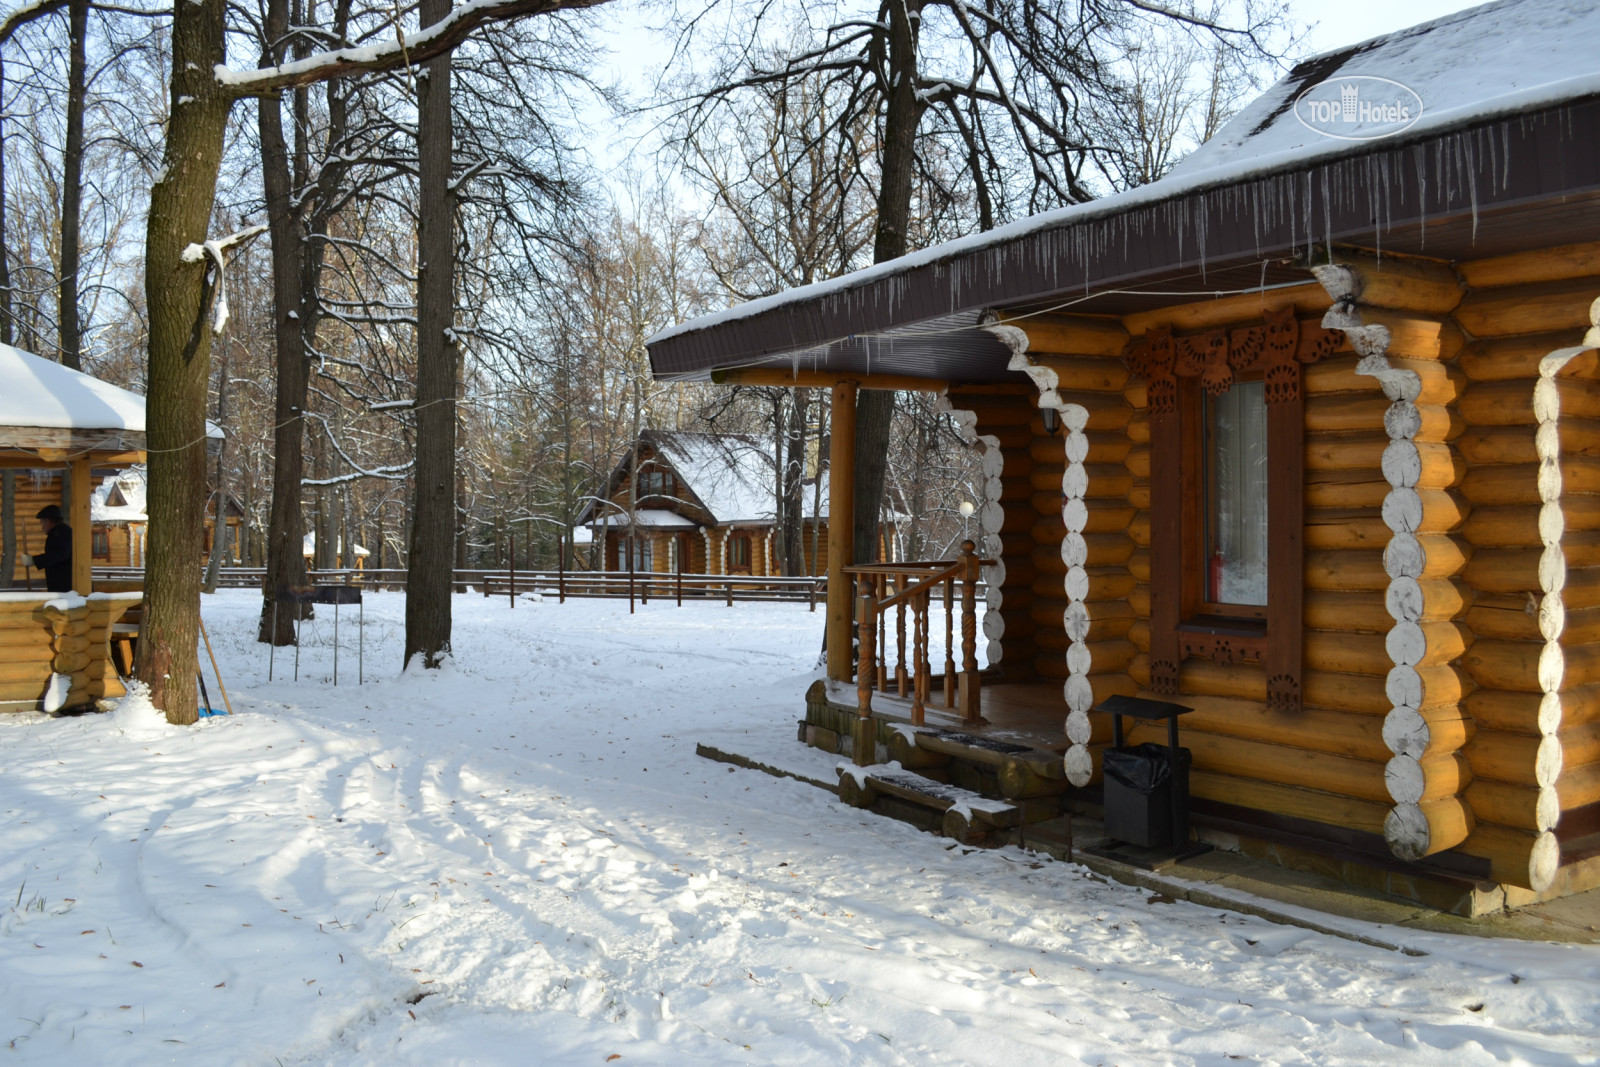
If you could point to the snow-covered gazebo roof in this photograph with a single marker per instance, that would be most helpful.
(45, 407)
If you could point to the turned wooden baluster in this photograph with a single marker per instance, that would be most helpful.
(882, 583)
(900, 647)
(866, 612)
(971, 709)
(949, 643)
(919, 640)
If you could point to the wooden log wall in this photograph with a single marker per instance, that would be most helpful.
(34, 493)
(1532, 437)
(1452, 554)
(1325, 762)
(1081, 537)
(43, 634)
(27, 648)
(1000, 419)
(1394, 315)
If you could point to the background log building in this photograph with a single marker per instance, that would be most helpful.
(711, 500)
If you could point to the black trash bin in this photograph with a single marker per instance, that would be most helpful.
(1138, 794)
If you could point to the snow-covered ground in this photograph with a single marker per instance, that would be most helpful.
(522, 860)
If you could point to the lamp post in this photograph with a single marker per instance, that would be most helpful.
(966, 508)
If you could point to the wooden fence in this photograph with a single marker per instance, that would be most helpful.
(623, 585)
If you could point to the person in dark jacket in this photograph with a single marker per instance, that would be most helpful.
(56, 559)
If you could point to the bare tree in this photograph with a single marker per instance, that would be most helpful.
(1016, 91)
(180, 289)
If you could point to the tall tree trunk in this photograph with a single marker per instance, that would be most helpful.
(429, 577)
(71, 334)
(286, 564)
(6, 320)
(297, 257)
(875, 407)
(178, 295)
(794, 561)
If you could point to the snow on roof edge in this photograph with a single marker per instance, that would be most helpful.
(1433, 124)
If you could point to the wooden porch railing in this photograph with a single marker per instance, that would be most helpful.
(908, 588)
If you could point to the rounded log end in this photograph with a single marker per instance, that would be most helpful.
(1079, 728)
(1403, 775)
(1406, 733)
(1543, 862)
(1079, 765)
(1547, 809)
(856, 793)
(957, 825)
(1417, 830)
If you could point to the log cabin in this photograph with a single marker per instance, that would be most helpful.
(708, 500)
(55, 648)
(118, 520)
(1304, 436)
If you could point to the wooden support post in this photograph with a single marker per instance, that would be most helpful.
(512, 537)
(881, 585)
(841, 521)
(82, 536)
(679, 541)
(949, 643)
(919, 658)
(971, 708)
(561, 568)
(901, 676)
(867, 609)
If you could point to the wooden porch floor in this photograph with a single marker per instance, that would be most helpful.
(1026, 713)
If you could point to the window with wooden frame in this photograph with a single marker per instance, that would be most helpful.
(656, 482)
(1227, 442)
(739, 551)
(100, 542)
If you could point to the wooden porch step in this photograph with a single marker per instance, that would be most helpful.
(1023, 771)
(968, 816)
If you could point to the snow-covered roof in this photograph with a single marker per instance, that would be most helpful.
(732, 474)
(1498, 59)
(132, 486)
(308, 547)
(656, 517)
(1487, 62)
(43, 394)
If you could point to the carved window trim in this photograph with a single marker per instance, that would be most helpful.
(1177, 369)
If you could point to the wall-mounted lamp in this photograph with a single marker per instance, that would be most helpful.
(1052, 420)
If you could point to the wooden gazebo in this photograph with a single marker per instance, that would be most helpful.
(54, 647)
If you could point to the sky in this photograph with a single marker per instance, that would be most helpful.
(1342, 22)
(636, 52)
